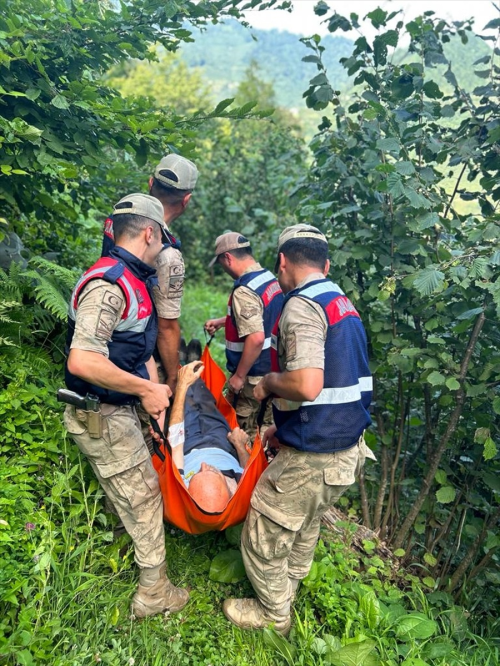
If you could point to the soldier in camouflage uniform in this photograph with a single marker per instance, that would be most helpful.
(112, 331)
(254, 305)
(322, 387)
(173, 181)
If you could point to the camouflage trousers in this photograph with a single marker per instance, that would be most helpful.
(282, 527)
(122, 464)
(248, 409)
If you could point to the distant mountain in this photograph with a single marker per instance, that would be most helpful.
(225, 51)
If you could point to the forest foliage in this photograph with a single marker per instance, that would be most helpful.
(403, 177)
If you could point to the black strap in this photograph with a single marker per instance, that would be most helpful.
(156, 427)
(208, 338)
(262, 411)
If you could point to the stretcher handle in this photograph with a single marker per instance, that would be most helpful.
(156, 447)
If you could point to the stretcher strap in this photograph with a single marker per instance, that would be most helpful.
(156, 447)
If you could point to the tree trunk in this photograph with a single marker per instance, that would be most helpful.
(452, 425)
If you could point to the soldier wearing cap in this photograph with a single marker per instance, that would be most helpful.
(322, 389)
(253, 308)
(172, 184)
(112, 330)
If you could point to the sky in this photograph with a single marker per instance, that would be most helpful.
(303, 21)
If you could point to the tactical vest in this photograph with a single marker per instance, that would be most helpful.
(338, 416)
(265, 285)
(133, 341)
(108, 239)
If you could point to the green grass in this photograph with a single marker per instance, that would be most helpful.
(201, 302)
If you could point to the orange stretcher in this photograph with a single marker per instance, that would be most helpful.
(179, 508)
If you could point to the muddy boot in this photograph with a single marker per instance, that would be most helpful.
(251, 614)
(193, 350)
(155, 594)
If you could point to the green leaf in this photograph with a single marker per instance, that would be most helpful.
(233, 534)
(405, 168)
(222, 105)
(60, 102)
(377, 17)
(280, 645)
(496, 405)
(427, 220)
(370, 608)
(395, 185)
(430, 559)
(492, 481)
(428, 281)
(490, 449)
(227, 567)
(24, 658)
(399, 552)
(469, 314)
(452, 384)
(356, 654)
(473, 390)
(495, 23)
(446, 494)
(389, 145)
(436, 378)
(416, 200)
(440, 477)
(415, 626)
(432, 90)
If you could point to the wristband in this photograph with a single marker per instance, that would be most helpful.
(176, 434)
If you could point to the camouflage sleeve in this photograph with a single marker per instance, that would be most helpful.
(100, 308)
(303, 331)
(248, 311)
(168, 294)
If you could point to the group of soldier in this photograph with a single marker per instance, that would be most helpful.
(294, 342)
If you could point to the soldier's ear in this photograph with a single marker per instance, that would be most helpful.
(327, 268)
(186, 200)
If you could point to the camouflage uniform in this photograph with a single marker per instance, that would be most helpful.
(248, 311)
(282, 526)
(120, 458)
(168, 294)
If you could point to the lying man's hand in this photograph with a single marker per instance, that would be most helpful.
(238, 438)
(189, 373)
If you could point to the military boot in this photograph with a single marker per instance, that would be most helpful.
(155, 594)
(251, 614)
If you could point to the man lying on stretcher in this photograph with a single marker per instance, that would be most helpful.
(210, 457)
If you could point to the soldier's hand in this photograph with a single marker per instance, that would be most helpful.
(213, 325)
(156, 400)
(236, 383)
(270, 443)
(260, 392)
(189, 373)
